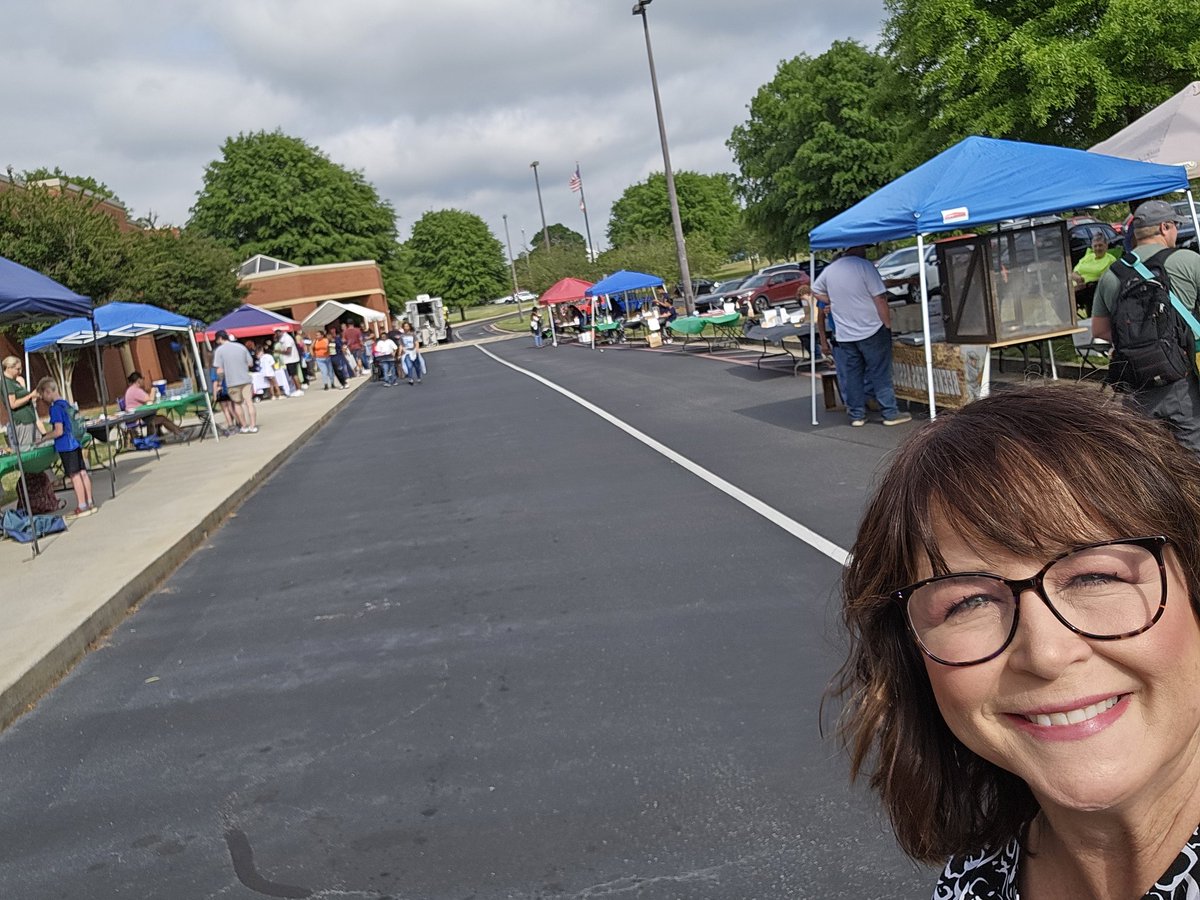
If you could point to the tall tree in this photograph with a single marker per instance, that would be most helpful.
(560, 236)
(184, 271)
(541, 268)
(453, 255)
(63, 235)
(706, 206)
(275, 194)
(656, 256)
(822, 134)
(1069, 72)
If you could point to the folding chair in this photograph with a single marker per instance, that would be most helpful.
(1086, 346)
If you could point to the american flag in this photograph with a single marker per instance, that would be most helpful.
(576, 181)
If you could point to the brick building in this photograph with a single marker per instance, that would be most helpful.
(295, 291)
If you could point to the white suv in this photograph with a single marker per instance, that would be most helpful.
(900, 269)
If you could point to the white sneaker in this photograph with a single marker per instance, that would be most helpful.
(245, 430)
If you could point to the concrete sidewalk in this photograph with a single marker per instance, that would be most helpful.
(87, 578)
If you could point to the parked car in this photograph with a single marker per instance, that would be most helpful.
(1081, 230)
(818, 267)
(769, 289)
(522, 296)
(699, 286)
(721, 291)
(901, 274)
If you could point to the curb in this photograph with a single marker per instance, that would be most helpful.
(23, 694)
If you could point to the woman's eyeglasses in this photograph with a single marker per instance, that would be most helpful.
(1104, 591)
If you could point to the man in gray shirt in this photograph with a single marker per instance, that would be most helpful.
(857, 301)
(1155, 227)
(232, 362)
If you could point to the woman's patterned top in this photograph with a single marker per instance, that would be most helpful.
(993, 875)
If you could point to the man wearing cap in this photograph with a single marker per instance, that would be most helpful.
(857, 300)
(1155, 227)
(232, 362)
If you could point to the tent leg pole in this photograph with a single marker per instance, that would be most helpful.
(812, 335)
(925, 324)
(112, 459)
(1192, 207)
(203, 380)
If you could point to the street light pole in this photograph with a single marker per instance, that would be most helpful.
(685, 275)
(512, 265)
(525, 250)
(545, 231)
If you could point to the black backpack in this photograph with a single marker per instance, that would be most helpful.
(1152, 344)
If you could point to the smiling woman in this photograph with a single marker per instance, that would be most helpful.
(1023, 683)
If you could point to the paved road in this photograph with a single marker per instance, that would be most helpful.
(473, 641)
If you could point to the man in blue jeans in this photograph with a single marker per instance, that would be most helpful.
(857, 301)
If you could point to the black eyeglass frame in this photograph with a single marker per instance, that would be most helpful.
(1018, 586)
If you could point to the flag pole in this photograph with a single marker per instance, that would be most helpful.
(583, 206)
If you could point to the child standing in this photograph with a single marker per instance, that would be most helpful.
(70, 451)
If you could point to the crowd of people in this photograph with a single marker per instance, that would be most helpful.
(241, 375)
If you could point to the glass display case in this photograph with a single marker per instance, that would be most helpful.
(1006, 287)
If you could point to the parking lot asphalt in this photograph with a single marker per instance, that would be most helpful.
(472, 640)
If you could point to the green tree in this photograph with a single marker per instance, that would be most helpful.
(66, 236)
(706, 206)
(275, 194)
(184, 271)
(87, 182)
(825, 132)
(538, 270)
(453, 255)
(398, 280)
(560, 236)
(656, 256)
(1069, 72)
(63, 235)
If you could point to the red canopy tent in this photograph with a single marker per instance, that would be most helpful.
(569, 290)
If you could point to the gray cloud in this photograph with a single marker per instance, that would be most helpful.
(440, 104)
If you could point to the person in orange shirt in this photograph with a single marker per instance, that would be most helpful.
(322, 347)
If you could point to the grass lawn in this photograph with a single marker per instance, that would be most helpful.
(738, 269)
(486, 311)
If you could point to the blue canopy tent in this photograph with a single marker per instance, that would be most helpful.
(29, 296)
(983, 180)
(115, 323)
(621, 282)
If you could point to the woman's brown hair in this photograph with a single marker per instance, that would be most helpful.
(1032, 471)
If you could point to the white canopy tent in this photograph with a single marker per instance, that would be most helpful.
(1168, 134)
(332, 310)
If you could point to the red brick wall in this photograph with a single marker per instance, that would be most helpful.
(358, 284)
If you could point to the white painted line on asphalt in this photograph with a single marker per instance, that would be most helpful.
(768, 512)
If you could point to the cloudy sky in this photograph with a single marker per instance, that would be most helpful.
(441, 103)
